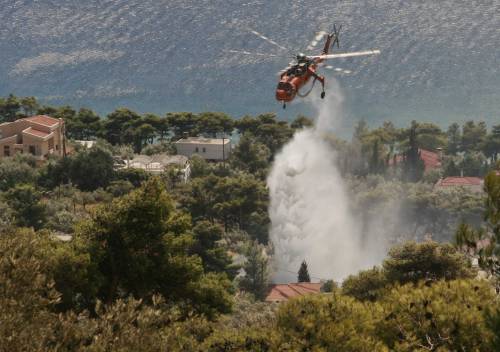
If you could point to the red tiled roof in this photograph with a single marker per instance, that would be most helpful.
(483, 243)
(431, 159)
(43, 120)
(460, 181)
(34, 132)
(283, 292)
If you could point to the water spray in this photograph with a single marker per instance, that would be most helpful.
(310, 210)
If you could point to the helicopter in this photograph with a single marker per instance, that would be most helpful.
(304, 68)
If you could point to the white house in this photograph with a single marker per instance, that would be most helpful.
(156, 164)
(86, 144)
(216, 149)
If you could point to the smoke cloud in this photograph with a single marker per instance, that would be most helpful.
(310, 208)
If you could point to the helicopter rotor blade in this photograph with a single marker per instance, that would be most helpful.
(319, 35)
(270, 41)
(342, 55)
(338, 69)
(336, 32)
(244, 52)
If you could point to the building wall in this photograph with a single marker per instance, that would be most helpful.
(41, 147)
(186, 173)
(13, 128)
(11, 144)
(207, 151)
(451, 188)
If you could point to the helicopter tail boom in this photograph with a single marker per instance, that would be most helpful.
(331, 39)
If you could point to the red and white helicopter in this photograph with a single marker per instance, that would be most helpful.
(299, 73)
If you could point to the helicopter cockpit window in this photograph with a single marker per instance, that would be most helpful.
(287, 87)
(282, 85)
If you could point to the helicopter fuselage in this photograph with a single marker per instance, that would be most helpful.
(297, 76)
(293, 79)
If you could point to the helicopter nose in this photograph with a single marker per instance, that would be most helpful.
(282, 95)
(285, 92)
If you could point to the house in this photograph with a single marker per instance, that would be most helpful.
(432, 160)
(39, 136)
(86, 144)
(472, 183)
(283, 292)
(157, 163)
(213, 149)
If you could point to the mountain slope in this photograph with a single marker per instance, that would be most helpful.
(440, 60)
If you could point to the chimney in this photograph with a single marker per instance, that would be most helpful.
(440, 153)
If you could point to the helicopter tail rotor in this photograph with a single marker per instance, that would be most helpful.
(331, 39)
(335, 34)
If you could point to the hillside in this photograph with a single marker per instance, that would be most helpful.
(440, 60)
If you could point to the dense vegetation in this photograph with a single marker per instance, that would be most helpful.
(154, 263)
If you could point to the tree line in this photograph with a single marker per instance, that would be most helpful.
(468, 150)
(126, 127)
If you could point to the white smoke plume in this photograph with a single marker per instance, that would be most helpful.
(309, 209)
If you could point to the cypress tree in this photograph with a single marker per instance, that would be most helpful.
(413, 166)
(303, 273)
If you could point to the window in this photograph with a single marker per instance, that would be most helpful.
(32, 149)
(204, 150)
(285, 86)
(6, 150)
(196, 150)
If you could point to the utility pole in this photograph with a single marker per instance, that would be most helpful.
(63, 135)
(223, 152)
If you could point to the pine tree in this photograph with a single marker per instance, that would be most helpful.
(490, 258)
(454, 137)
(256, 276)
(376, 163)
(303, 273)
